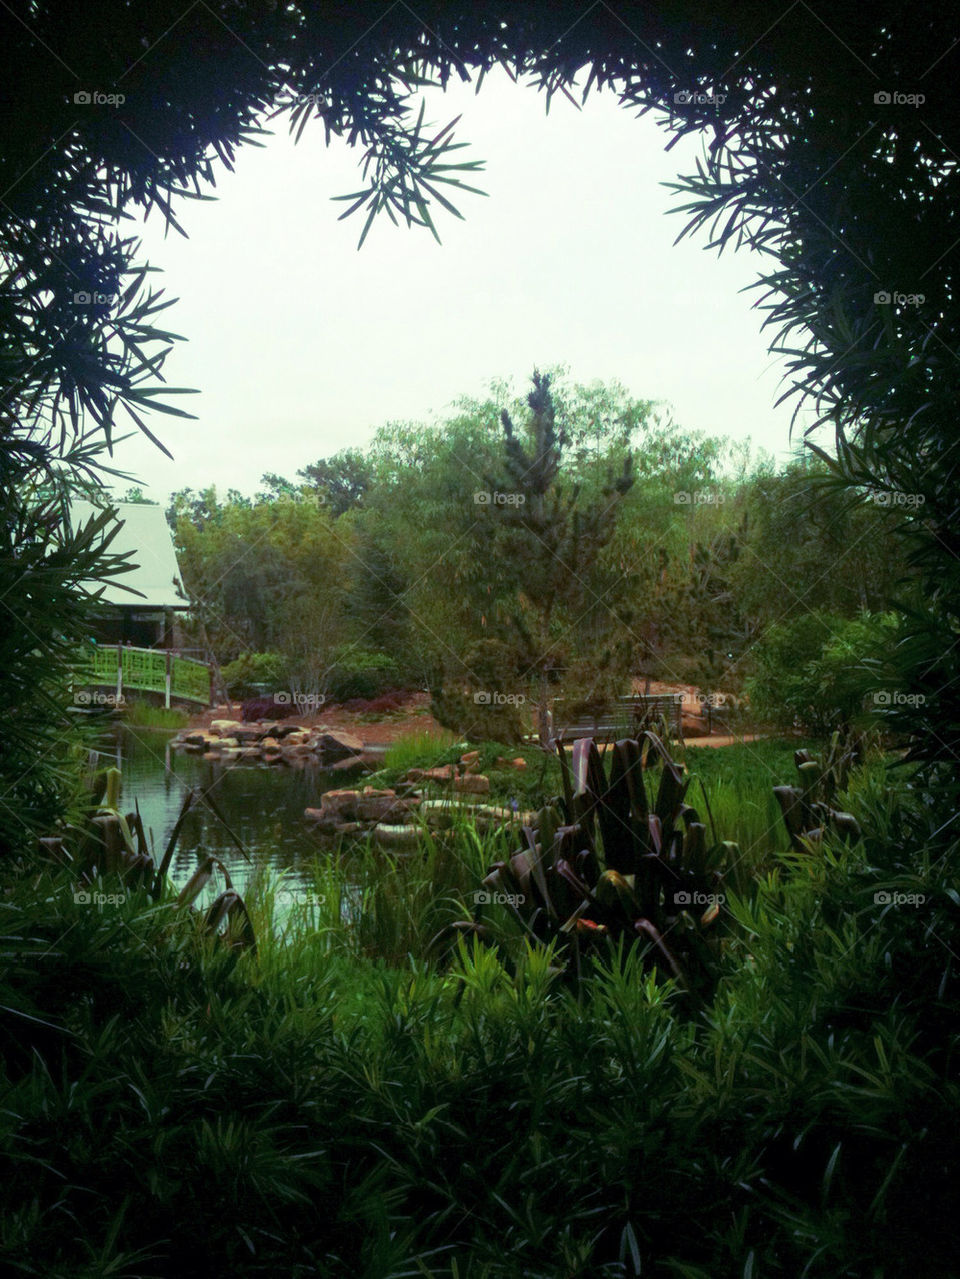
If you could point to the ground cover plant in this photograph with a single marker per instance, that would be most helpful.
(353, 1117)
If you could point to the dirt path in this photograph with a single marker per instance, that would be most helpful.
(415, 717)
(719, 740)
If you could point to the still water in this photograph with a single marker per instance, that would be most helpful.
(263, 805)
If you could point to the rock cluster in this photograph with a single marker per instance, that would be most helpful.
(275, 743)
(348, 812)
(463, 777)
(387, 814)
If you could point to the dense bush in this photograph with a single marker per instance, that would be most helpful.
(357, 672)
(246, 676)
(170, 1109)
(815, 671)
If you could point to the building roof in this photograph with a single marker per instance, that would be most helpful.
(143, 530)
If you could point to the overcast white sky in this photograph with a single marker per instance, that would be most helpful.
(301, 346)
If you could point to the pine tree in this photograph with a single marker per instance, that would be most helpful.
(541, 536)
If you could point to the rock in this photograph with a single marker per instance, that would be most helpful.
(210, 755)
(379, 808)
(297, 737)
(447, 773)
(473, 784)
(373, 790)
(352, 765)
(269, 744)
(393, 836)
(442, 812)
(225, 726)
(470, 761)
(347, 828)
(336, 744)
(340, 803)
(249, 752)
(323, 822)
(248, 736)
(227, 743)
(195, 739)
(518, 763)
(298, 751)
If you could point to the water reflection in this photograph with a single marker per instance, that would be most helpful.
(262, 804)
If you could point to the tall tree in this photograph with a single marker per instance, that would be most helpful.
(537, 535)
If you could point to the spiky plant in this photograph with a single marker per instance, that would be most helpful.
(618, 864)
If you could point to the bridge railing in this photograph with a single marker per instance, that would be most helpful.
(125, 669)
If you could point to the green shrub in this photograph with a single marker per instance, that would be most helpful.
(252, 669)
(814, 672)
(347, 1118)
(358, 672)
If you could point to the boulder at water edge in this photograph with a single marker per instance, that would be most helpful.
(335, 744)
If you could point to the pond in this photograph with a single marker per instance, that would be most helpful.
(263, 805)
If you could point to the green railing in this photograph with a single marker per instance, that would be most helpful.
(123, 670)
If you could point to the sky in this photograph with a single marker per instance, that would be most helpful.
(299, 345)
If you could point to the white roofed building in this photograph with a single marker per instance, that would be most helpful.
(144, 618)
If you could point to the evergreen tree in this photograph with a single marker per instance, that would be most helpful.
(539, 533)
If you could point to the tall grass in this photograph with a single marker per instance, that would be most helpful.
(421, 749)
(139, 714)
(366, 902)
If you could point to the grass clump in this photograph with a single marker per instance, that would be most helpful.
(422, 749)
(139, 714)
